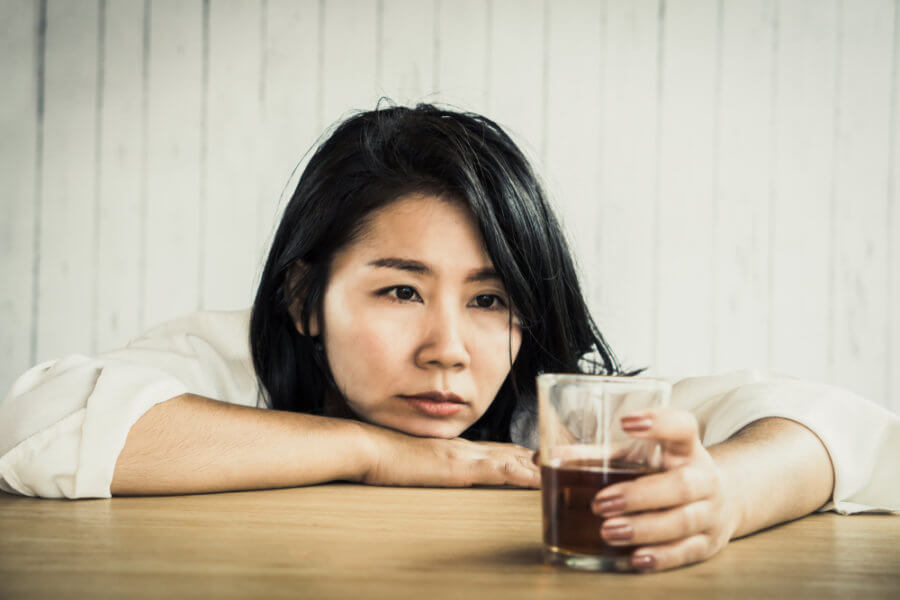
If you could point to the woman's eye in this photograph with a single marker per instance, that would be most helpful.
(406, 293)
(489, 301)
(401, 292)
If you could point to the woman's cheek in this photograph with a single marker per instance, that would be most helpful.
(382, 336)
(493, 350)
(493, 333)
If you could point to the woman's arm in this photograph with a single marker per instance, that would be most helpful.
(192, 444)
(775, 470)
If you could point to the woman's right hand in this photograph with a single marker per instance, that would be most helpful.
(405, 460)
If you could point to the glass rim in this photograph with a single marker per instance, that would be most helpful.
(658, 382)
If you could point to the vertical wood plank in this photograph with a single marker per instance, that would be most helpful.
(623, 291)
(800, 212)
(743, 185)
(290, 104)
(66, 272)
(19, 70)
(174, 117)
(860, 199)
(462, 53)
(229, 252)
(407, 51)
(121, 176)
(759, 156)
(686, 217)
(893, 234)
(573, 112)
(516, 73)
(349, 53)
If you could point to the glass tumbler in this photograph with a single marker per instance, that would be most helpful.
(583, 449)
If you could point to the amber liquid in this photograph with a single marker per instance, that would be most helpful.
(568, 490)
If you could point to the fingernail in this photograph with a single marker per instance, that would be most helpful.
(643, 561)
(611, 504)
(616, 530)
(637, 424)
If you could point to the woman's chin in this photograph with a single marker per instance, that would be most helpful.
(425, 427)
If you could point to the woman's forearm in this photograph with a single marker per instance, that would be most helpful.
(193, 444)
(774, 470)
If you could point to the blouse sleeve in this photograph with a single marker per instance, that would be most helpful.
(64, 422)
(861, 437)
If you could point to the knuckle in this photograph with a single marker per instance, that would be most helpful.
(695, 550)
(716, 482)
(684, 519)
(684, 482)
(507, 467)
(708, 514)
(690, 518)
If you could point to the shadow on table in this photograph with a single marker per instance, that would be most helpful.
(517, 556)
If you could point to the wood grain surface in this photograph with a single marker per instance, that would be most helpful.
(352, 541)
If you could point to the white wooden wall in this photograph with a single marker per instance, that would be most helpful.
(728, 170)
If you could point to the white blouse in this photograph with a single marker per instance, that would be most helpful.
(64, 422)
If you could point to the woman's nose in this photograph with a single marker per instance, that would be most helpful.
(443, 343)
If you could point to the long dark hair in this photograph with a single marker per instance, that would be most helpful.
(373, 158)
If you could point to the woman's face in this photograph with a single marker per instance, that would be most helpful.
(413, 307)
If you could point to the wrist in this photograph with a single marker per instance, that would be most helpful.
(328, 449)
(731, 505)
(362, 442)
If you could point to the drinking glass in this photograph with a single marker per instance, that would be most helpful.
(583, 449)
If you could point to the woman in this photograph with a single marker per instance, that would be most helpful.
(417, 284)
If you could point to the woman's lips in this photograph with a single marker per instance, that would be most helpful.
(434, 408)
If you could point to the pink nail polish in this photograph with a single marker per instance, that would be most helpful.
(643, 561)
(612, 504)
(636, 424)
(618, 533)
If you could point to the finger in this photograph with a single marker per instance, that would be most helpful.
(506, 447)
(492, 448)
(659, 490)
(676, 429)
(506, 470)
(528, 475)
(534, 478)
(673, 554)
(659, 526)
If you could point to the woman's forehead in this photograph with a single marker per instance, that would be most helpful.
(439, 233)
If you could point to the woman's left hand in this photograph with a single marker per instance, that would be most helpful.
(679, 516)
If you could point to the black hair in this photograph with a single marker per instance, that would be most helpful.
(375, 157)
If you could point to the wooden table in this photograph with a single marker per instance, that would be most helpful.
(352, 541)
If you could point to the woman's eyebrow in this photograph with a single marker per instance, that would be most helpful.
(404, 264)
(420, 268)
